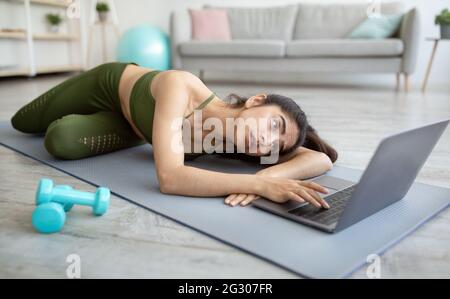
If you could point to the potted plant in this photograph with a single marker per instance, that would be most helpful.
(443, 19)
(102, 10)
(53, 20)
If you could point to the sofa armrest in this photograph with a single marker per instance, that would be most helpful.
(180, 31)
(410, 34)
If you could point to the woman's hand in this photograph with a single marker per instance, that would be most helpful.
(281, 190)
(242, 199)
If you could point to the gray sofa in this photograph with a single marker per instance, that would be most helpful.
(303, 37)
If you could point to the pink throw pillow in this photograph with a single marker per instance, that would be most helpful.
(210, 25)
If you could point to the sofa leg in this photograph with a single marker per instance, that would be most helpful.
(406, 82)
(397, 81)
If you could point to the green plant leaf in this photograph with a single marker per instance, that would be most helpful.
(102, 7)
(443, 18)
(53, 19)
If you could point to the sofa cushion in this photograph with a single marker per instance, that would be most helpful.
(384, 26)
(210, 24)
(261, 22)
(345, 48)
(315, 21)
(234, 48)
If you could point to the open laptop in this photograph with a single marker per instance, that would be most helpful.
(386, 180)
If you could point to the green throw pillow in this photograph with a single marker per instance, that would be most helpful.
(383, 26)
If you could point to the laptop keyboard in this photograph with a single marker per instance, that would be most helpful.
(337, 202)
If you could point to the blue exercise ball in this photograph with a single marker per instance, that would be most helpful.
(145, 45)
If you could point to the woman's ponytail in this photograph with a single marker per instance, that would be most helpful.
(314, 142)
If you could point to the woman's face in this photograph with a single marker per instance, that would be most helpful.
(259, 128)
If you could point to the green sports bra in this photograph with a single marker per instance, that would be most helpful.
(142, 104)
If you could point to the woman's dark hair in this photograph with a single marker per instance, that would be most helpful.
(307, 138)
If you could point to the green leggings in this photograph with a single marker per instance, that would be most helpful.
(81, 117)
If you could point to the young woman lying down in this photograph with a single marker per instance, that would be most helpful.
(120, 105)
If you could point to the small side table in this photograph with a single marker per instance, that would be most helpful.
(430, 63)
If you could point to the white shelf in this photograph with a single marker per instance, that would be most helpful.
(56, 3)
(13, 35)
(38, 61)
(57, 69)
(60, 3)
(40, 70)
(14, 72)
(39, 36)
(55, 36)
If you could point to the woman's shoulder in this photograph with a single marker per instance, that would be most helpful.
(192, 84)
(170, 79)
(181, 75)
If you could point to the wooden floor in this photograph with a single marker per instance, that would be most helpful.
(132, 242)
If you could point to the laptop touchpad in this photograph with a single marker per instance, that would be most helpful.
(332, 182)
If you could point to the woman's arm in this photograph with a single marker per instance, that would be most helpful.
(301, 164)
(173, 96)
(172, 93)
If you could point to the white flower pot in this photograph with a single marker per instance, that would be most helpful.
(103, 16)
(53, 28)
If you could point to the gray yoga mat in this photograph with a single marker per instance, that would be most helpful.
(130, 174)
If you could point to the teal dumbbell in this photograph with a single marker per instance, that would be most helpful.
(67, 197)
(48, 217)
(67, 206)
(53, 201)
